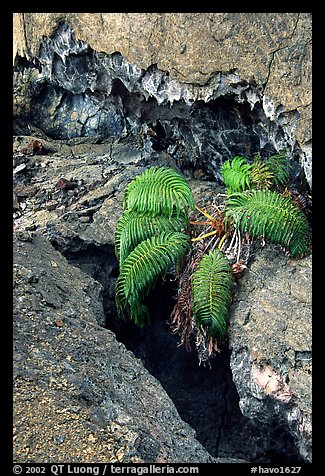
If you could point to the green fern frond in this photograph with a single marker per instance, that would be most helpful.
(261, 175)
(158, 191)
(270, 215)
(236, 174)
(279, 166)
(133, 227)
(212, 286)
(150, 259)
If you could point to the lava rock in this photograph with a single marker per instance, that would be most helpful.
(64, 115)
(69, 368)
(270, 336)
(79, 395)
(85, 74)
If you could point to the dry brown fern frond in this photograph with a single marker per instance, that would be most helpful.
(181, 321)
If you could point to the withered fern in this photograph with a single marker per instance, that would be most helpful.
(272, 216)
(212, 287)
(261, 176)
(272, 172)
(181, 317)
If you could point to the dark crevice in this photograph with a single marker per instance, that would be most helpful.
(21, 63)
(205, 397)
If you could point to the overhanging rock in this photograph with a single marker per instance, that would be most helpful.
(82, 91)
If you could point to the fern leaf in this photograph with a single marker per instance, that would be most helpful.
(133, 227)
(236, 174)
(158, 190)
(150, 259)
(271, 215)
(261, 175)
(274, 171)
(212, 286)
(279, 166)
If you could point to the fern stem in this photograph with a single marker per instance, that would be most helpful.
(239, 246)
(204, 213)
(222, 240)
(204, 236)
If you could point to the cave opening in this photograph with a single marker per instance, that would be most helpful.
(198, 136)
(204, 396)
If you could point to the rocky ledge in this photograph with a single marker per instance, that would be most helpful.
(80, 395)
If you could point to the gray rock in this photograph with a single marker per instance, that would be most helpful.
(67, 116)
(270, 337)
(68, 368)
(79, 395)
(104, 73)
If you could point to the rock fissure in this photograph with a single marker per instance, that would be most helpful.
(102, 117)
(272, 53)
(206, 399)
(296, 25)
(192, 388)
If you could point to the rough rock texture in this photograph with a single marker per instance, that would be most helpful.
(87, 211)
(123, 92)
(70, 192)
(261, 58)
(79, 395)
(271, 341)
(193, 46)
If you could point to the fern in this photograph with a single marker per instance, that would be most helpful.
(158, 191)
(212, 286)
(133, 227)
(279, 166)
(236, 174)
(270, 215)
(149, 242)
(239, 176)
(271, 172)
(150, 259)
(261, 175)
